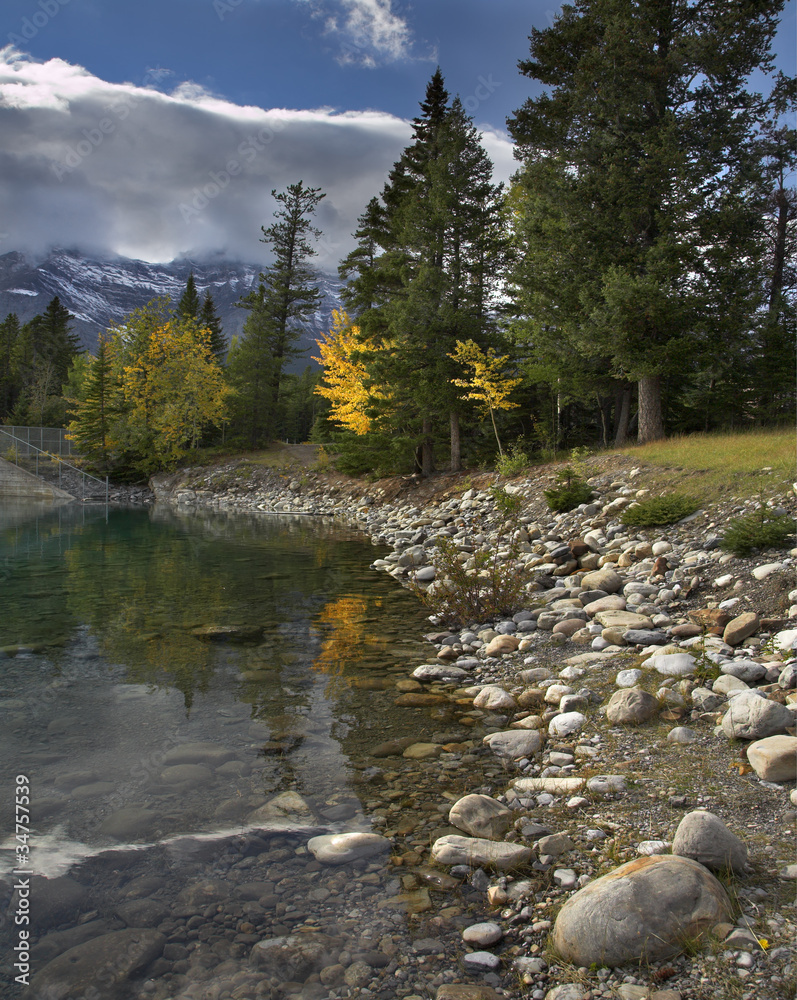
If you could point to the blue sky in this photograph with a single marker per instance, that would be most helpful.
(159, 127)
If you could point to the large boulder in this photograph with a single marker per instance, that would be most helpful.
(481, 816)
(602, 579)
(643, 911)
(750, 716)
(703, 837)
(631, 706)
(494, 698)
(774, 758)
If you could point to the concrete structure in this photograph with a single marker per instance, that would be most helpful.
(17, 484)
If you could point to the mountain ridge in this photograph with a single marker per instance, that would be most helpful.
(101, 291)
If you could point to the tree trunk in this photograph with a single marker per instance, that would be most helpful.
(651, 424)
(622, 415)
(427, 448)
(456, 450)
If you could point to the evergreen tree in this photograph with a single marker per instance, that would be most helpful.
(188, 307)
(423, 272)
(288, 294)
(637, 217)
(98, 403)
(210, 320)
(40, 364)
(9, 389)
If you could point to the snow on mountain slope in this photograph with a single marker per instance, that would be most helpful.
(101, 292)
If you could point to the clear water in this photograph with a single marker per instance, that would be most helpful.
(103, 675)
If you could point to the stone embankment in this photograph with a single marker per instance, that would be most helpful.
(642, 701)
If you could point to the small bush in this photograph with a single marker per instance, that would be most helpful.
(660, 510)
(513, 461)
(491, 588)
(758, 530)
(571, 491)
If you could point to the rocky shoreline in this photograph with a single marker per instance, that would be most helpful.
(641, 705)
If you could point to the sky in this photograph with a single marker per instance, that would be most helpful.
(159, 128)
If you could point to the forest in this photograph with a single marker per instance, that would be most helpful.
(635, 279)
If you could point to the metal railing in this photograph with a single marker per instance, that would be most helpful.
(28, 456)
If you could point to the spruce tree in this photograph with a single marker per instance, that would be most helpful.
(9, 388)
(287, 295)
(422, 276)
(209, 319)
(188, 307)
(636, 209)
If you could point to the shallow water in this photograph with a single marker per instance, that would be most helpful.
(103, 674)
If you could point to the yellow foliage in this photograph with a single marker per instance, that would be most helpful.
(174, 387)
(488, 384)
(346, 379)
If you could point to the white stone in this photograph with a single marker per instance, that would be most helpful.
(659, 548)
(627, 678)
(483, 934)
(558, 786)
(439, 672)
(455, 850)
(671, 664)
(481, 961)
(681, 734)
(774, 758)
(785, 640)
(481, 816)
(495, 699)
(647, 848)
(515, 743)
(752, 717)
(727, 684)
(724, 581)
(340, 848)
(566, 724)
(762, 572)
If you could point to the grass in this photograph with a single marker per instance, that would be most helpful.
(715, 466)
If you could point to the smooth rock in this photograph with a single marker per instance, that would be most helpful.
(515, 743)
(613, 602)
(628, 678)
(643, 911)
(502, 644)
(454, 850)
(762, 572)
(461, 991)
(567, 723)
(623, 620)
(740, 628)
(494, 698)
(483, 934)
(671, 664)
(428, 672)
(704, 838)
(556, 786)
(287, 809)
(481, 816)
(751, 717)
(602, 579)
(341, 848)
(727, 683)
(681, 734)
(98, 966)
(631, 706)
(746, 670)
(295, 957)
(774, 758)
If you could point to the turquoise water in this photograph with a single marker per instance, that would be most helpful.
(105, 671)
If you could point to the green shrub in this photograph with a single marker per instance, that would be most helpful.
(660, 510)
(571, 491)
(757, 530)
(513, 461)
(490, 589)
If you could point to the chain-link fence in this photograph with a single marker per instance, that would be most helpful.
(49, 439)
(49, 464)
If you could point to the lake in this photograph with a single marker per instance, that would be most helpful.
(164, 677)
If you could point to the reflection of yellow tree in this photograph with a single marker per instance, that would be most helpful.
(343, 620)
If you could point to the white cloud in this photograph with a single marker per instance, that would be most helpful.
(132, 170)
(370, 32)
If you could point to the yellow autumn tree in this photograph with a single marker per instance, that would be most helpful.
(173, 389)
(487, 383)
(345, 379)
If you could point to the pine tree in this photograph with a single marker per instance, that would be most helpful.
(209, 319)
(40, 364)
(93, 412)
(637, 215)
(287, 295)
(188, 307)
(9, 389)
(423, 273)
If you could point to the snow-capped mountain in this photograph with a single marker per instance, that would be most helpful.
(101, 292)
